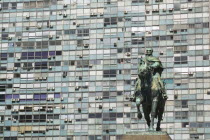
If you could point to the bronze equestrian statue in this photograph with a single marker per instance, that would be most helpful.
(150, 90)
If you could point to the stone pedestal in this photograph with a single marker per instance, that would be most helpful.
(145, 136)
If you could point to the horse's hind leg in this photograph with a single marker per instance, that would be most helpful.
(153, 113)
(160, 116)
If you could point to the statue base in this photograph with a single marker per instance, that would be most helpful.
(148, 135)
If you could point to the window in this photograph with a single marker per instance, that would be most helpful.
(109, 73)
(2, 96)
(3, 56)
(137, 1)
(181, 114)
(180, 49)
(41, 65)
(137, 41)
(110, 21)
(206, 57)
(4, 36)
(82, 63)
(180, 60)
(83, 32)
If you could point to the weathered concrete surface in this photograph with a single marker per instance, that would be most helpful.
(145, 136)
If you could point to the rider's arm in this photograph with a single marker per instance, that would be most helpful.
(155, 65)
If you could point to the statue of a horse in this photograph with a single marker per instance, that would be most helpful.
(151, 99)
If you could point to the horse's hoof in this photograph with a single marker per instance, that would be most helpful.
(151, 129)
(158, 129)
(139, 116)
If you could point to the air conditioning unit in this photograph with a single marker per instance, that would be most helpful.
(13, 100)
(60, 13)
(22, 132)
(148, 32)
(44, 78)
(64, 73)
(101, 98)
(27, 16)
(9, 78)
(50, 67)
(171, 9)
(50, 36)
(147, 1)
(19, 38)
(15, 68)
(90, 65)
(80, 56)
(48, 99)
(48, 120)
(65, 5)
(125, 12)
(64, 15)
(77, 88)
(96, 98)
(9, 38)
(27, 28)
(115, 44)
(13, 89)
(62, 98)
(155, 10)
(80, 99)
(51, 26)
(63, 107)
(164, 10)
(14, 110)
(18, 58)
(100, 106)
(161, 53)
(52, 99)
(17, 100)
(39, 26)
(92, 14)
(79, 110)
(189, 9)
(66, 120)
(128, 54)
(171, 30)
(3, 28)
(77, 25)
(36, 78)
(191, 73)
(111, 108)
(86, 45)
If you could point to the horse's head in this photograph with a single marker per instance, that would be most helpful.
(143, 70)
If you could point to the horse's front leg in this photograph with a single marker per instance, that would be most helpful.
(139, 100)
(153, 113)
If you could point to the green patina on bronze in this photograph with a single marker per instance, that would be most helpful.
(150, 89)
